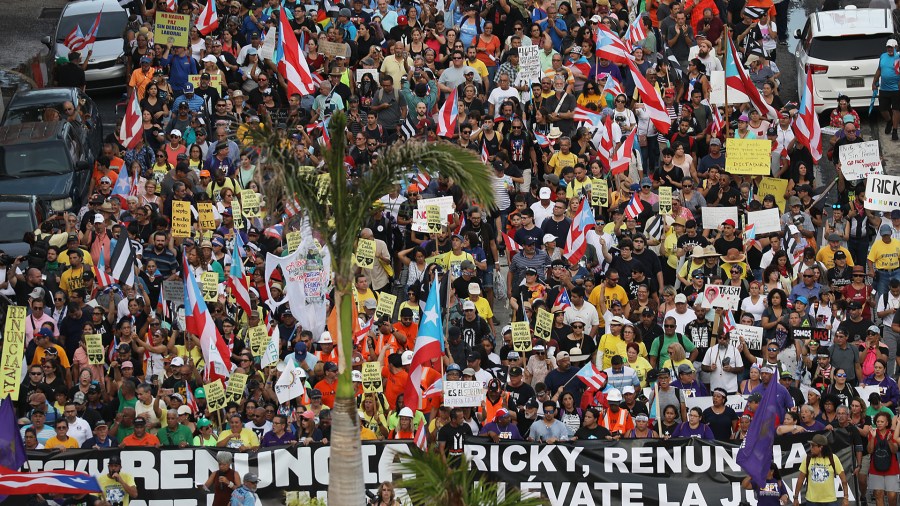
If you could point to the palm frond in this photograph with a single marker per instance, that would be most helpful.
(438, 482)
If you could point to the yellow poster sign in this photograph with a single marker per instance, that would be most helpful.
(94, 343)
(749, 156)
(543, 324)
(209, 282)
(371, 378)
(238, 215)
(258, 338)
(250, 200)
(433, 219)
(181, 218)
(521, 336)
(665, 200)
(365, 253)
(775, 187)
(293, 241)
(13, 350)
(215, 395)
(386, 303)
(207, 219)
(171, 29)
(215, 81)
(602, 188)
(235, 390)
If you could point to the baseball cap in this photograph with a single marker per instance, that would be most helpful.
(561, 355)
(891, 42)
(515, 371)
(177, 362)
(140, 421)
(885, 230)
(875, 329)
(544, 193)
(681, 299)
(820, 439)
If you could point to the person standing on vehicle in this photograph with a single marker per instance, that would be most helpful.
(888, 91)
(72, 73)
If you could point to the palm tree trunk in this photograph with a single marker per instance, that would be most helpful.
(345, 486)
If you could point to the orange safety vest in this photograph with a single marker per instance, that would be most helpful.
(623, 423)
(489, 409)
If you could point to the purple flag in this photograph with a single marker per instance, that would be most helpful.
(755, 455)
(12, 449)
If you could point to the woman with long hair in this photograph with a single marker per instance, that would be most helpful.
(152, 103)
(590, 94)
(569, 413)
(776, 310)
(748, 385)
(386, 496)
(884, 470)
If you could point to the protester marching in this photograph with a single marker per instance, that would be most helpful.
(658, 257)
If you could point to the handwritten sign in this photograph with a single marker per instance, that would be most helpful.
(543, 325)
(332, 49)
(767, 221)
(173, 291)
(372, 381)
(267, 50)
(529, 65)
(602, 188)
(385, 307)
(775, 187)
(234, 392)
(723, 296)
(753, 336)
(181, 218)
(521, 336)
(207, 219)
(250, 204)
(433, 219)
(665, 200)
(238, 215)
(94, 345)
(259, 338)
(171, 29)
(293, 240)
(215, 81)
(209, 282)
(215, 395)
(860, 160)
(365, 253)
(715, 216)
(882, 192)
(362, 72)
(749, 156)
(13, 350)
(463, 394)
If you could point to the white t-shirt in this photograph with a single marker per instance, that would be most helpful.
(681, 319)
(719, 378)
(499, 95)
(540, 213)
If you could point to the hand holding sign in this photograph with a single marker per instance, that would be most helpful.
(365, 253)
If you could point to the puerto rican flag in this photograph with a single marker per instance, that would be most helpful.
(717, 123)
(447, 116)
(103, 279)
(47, 482)
(636, 33)
(588, 116)
(209, 18)
(292, 63)
(132, 129)
(190, 400)
(606, 143)
(75, 40)
(613, 86)
(610, 46)
(576, 240)
(485, 156)
(562, 300)
(429, 346)
(462, 223)
(162, 307)
(634, 208)
(592, 376)
(542, 140)
(806, 127)
(422, 438)
(199, 322)
(292, 207)
(91, 35)
(511, 245)
(728, 322)
(750, 234)
(172, 5)
(623, 154)
(422, 179)
(237, 278)
(652, 101)
(736, 78)
(326, 137)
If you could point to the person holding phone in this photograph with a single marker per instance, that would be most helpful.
(118, 487)
(722, 364)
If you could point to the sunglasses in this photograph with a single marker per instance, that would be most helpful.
(669, 326)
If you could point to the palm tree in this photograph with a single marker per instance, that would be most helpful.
(337, 208)
(437, 482)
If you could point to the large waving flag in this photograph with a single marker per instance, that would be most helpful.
(612, 86)
(125, 184)
(293, 66)
(542, 140)
(13, 454)
(636, 32)
(736, 78)
(623, 154)
(652, 101)
(122, 260)
(576, 240)
(132, 130)
(605, 143)
(199, 322)
(46, 482)
(429, 345)
(237, 278)
(209, 18)
(91, 36)
(75, 39)
(806, 127)
(755, 454)
(635, 207)
(610, 46)
(588, 116)
(447, 116)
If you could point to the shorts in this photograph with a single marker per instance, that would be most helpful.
(487, 277)
(889, 101)
(864, 465)
(889, 483)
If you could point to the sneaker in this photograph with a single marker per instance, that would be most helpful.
(894, 136)
(887, 127)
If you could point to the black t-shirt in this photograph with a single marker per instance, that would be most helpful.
(461, 286)
(856, 331)
(452, 437)
(473, 331)
(720, 424)
(722, 245)
(688, 243)
(598, 432)
(519, 395)
(70, 75)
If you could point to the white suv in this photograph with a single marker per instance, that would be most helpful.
(842, 48)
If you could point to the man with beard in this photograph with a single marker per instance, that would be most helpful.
(648, 259)
(520, 146)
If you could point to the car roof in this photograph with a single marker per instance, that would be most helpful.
(91, 7)
(851, 21)
(31, 132)
(16, 201)
(45, 96)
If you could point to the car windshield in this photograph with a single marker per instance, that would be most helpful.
(848, 47)
(112, 25)
(31, 114)
(35, 159)
(16, 223)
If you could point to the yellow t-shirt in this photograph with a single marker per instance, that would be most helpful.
(617, 293)
(574, 188)
(72, 280)
(885, 255)
(113, 490)
(641, 366)
(483, 307)
(479, 67)
(452, 262)
(623, 351)
(559, 161)
(820, 478)
(54, 442)
(246, 438)
(609, 345)
(86, 258)
(826, 256)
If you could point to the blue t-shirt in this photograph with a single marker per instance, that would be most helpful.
(889, 77)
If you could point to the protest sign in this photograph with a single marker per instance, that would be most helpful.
(237, 214)
(267, 50)
(258, 337)
(717, 90)
(433, 219)
(803, 333)
(207, 220)
(234, 392)
(463, 394)
(723, 296)
(749, 156)
(602, 188)
(767, 221)
(293, 240)
(209, 283)
(332, 49)
(181, 218)
(665, 200)
(385, 307)
(171, 29)
(215, 395)
(445, 203)
(882, 193)
(173, 290)
(521, 336)
(715, 216)
(250, 204)
(372, 381)
(753, 336)
(860, 160)
(365, 253)
(529, 65)
(543, 325)
(362, 72)
(215, 81)
(775, 187)
(94, 345)
(291, 384)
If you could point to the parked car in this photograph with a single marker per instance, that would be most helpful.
(19, 215)
(106, 66)
(842, 48)
(49, 160)
(29, 106)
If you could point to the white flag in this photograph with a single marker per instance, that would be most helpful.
(290, 383)
(270, 356)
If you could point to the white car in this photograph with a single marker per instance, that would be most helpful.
(106, 67)
(842, 48)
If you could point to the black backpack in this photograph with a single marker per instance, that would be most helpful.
(881, 457)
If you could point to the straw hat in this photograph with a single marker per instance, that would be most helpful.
(734, 255)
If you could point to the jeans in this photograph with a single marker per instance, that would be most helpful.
(859, 249)
(882, 280)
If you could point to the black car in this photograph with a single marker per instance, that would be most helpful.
(19, 215)
(32, 106)
(49, 160)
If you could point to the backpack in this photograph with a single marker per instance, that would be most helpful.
(881, 457)
(678, 336)
(868, 363)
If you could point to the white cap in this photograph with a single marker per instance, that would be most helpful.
(614, 395)
(406, 358)
(680, 298)
(793, 229)
(98, 218)
(475, 288)
(356, 375)
(595, 19)
(407, 413)
(891, 42)
(628, 390)
(548, 238)
(209, 58)
(325, 338)
(177, 362)
(468, 305)
(176, 132)
(544, 193)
